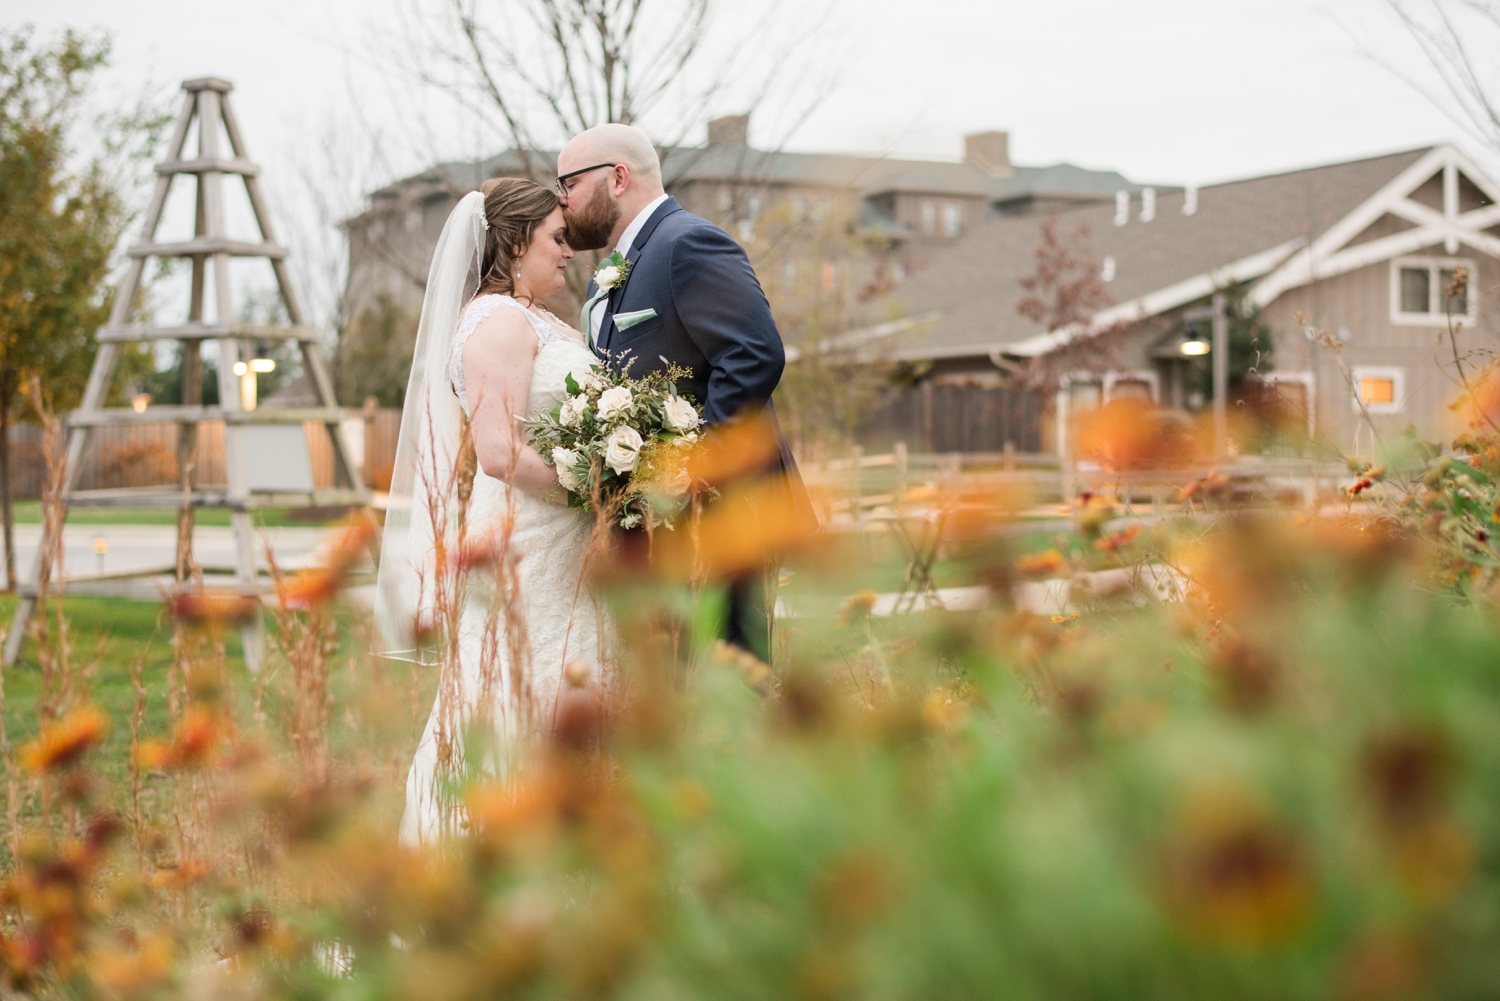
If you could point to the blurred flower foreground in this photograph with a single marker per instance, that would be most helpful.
(1273, 776)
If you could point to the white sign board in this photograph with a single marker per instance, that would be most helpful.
(276, 457)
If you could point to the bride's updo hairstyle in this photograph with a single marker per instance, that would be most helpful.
(514, 207)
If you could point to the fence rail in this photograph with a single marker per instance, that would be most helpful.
(851, 489)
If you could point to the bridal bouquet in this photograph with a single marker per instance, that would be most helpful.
(621, 445)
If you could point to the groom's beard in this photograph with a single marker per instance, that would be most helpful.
(590, 226)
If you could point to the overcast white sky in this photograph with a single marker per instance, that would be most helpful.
(1164, 90)
(1167, 91)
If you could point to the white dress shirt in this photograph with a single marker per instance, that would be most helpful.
(627, 239)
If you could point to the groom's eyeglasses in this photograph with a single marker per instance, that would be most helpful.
(562, 182)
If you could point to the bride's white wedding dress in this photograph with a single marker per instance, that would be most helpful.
(561, 620)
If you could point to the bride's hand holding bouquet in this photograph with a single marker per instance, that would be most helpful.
(620, 445)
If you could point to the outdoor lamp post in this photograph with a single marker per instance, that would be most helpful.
(1194, 345)
(1218, 312)
(248, 372)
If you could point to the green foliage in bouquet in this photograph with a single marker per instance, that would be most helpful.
(620, 445)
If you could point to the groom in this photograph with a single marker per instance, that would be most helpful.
(690, 296)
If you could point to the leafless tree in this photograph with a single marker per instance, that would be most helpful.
(1459, 40)
(537, 71)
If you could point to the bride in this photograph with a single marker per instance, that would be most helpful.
(486, 351)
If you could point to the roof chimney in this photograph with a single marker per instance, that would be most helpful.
(731, 130)
(990, 152)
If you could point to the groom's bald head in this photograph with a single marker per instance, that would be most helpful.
(614, 143)
(597, 203)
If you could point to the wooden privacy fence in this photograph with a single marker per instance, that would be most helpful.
(145, 455)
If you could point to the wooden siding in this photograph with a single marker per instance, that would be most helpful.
(1360, 303)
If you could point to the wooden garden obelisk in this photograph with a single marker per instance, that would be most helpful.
(266, 454)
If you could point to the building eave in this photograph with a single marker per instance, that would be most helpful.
(1162, 300)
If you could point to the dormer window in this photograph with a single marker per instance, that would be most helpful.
(942, 219)
(953, 220)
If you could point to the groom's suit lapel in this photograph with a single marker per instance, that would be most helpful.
(617, 295)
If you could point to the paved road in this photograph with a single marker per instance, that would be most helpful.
(142, 547)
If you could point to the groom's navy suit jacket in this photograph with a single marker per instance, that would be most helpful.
(711, 318)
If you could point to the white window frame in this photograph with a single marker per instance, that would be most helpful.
(1105, 382)
(953, 220)
(1436, 291)
(1132, 375)
(930, 221)
(1307, 380)
(1395, 373)
(1064, 404)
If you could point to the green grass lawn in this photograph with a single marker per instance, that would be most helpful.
(108, 637)
(30, 513)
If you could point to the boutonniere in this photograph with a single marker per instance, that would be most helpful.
(611, 272)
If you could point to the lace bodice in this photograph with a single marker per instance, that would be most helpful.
(558, 354)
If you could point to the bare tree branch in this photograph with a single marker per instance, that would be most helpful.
(1466, 88)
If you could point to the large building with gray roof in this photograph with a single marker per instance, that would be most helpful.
(1362, 251)
(898, 214)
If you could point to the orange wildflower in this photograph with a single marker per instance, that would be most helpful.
(200, 607)
(194, 743)
(1116, 541)
(133, 971)
(307, 588)
(197, 736)
(744, 529)
(1047, 563)
(65, 741)
(857, 606)
(1133, 434)
(505, 809)
(183, 874)
(1231, 874)
(732, 450)
(315, 585)
(351, 541)
(943, 708)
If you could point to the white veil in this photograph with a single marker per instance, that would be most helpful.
(431, 429)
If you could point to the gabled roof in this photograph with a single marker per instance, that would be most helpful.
(869, 175)
(1240, 231)
(453, 176)
(875, 175)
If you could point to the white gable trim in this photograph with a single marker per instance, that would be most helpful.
(1329, 255)
(1160, 301)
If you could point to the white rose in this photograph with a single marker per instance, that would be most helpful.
(613, 402)
(566, 461)
(679, 482)
(591, 383)
(571, 414)
(680, 414)
(622, 449)
(607, 277)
